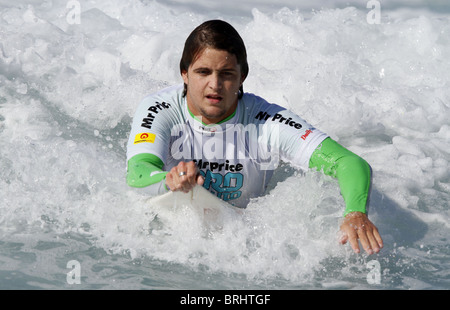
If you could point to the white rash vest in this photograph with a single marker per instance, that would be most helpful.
(237, 157)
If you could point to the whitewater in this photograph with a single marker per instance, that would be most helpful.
(73, 72)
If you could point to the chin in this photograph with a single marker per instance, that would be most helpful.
(214, 115)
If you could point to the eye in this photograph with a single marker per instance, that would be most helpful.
(227, 74)
(203, 71)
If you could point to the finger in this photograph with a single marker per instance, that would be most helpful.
(187, 175)
(373, 244)
(365, 242)
(174, 180)
(181, 169)
(169, 181)
(192, 172)
(375, 240)
(200, 179)
(353, 239)
(178, 176)
(187, 180)
(378, 238)
(343, 237)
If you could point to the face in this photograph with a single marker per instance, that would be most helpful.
(213, 82)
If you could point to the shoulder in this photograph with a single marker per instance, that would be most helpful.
(167, 99)
(250, 99)
(172, 95)
(257, 107)
(163, 106)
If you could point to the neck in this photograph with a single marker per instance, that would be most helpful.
(209, 121)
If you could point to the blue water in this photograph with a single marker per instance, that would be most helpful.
(69, 88)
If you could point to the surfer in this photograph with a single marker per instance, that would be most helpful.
(208, 132)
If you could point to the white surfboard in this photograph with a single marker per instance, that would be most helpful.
(197, 206)
(198, 198)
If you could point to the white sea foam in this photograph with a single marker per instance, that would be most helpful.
(68, 93)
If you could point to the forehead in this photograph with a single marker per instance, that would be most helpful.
(214, 58)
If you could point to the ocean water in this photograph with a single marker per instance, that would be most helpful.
(73, 72)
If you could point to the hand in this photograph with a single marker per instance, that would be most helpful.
(184, 177)
(356, 225)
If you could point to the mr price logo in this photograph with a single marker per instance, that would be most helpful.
(306, 134)
(144, 137)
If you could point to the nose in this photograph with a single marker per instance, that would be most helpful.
(215, 82)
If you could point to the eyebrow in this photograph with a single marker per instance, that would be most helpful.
(221, 70)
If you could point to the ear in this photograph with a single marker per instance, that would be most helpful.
(243, 77)
(184, 75)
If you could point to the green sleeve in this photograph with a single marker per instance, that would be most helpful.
(353, 173)
(144, 170)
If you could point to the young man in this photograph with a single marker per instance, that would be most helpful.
(209, 132)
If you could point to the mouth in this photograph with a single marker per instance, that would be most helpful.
(214, 98)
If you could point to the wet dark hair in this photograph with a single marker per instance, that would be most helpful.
(219, 35)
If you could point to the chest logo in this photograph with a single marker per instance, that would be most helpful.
(144, 137)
